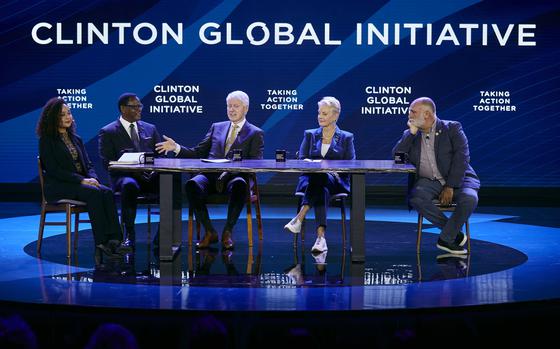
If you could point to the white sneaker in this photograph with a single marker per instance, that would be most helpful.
(296, 274)
(320, 258)
(294, 225)
(320, 245)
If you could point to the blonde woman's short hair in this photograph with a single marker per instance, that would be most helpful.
(330, 102)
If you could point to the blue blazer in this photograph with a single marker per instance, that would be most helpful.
(342, 148)
(114, 141)
(58, 165)
(452, 153)
(250, 140)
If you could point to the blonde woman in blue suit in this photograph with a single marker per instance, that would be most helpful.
(325, 142)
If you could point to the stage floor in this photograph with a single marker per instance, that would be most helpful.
(515, 257)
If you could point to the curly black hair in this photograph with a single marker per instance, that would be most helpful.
(47, 126)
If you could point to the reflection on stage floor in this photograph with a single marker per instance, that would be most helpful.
(281, 274)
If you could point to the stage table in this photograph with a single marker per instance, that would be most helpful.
(170, 189)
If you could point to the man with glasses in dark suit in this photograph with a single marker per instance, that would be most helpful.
(129, 134)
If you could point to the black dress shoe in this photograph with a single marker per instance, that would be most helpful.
(118, 248)
(128, 243)
(227, 241)
(209, 239)
(101, 250)
(105, 249)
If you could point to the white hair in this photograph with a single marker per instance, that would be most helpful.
(330, 102)
(240, 95)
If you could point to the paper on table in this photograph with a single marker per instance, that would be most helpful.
(311, 160)
(216, 161)
(129, 159)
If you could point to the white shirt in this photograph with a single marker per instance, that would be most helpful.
(325, 149)
(126, 126)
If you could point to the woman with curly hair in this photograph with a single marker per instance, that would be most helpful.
(69, 174)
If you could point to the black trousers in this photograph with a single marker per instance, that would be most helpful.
(130, 188)
(204, 184)
(100, 205)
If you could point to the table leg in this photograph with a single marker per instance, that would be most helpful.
(357, 218)
(170, 215)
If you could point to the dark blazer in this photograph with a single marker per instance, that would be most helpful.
(342, 148)
(452, 153)
(59, 166)
(250, 140)
(114, 141)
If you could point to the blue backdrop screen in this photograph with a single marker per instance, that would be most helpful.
(492, 65)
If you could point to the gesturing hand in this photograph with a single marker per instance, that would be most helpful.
(167, 145)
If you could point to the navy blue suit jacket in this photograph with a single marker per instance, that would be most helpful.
(452, 153)
(59, 167)
(342, 148)
(114, 141)
(250, 139)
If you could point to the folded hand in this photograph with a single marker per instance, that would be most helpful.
(446, 196)
(90, 181)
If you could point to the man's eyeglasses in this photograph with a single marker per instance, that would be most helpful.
(135, 106)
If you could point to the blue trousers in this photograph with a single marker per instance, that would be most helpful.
(426, 190)
(318, 192)
(203, 184)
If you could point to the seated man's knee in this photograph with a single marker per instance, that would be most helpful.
(129, 186)
(238, 185)
(468, 199)
(417, 200)
(191, 187)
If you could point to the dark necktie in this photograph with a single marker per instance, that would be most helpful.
(134, 137)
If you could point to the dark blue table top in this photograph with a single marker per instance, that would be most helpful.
(269, 165)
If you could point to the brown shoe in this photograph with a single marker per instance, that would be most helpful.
(209, 239)
(227, 241)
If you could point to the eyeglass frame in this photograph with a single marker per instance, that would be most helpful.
(135, 106)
